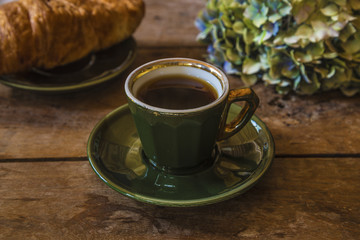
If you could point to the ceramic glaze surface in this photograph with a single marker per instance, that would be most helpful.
(170, 66)
(115, 153)
(178, 140)
(175, 70)
(177, 143)
(92, 70)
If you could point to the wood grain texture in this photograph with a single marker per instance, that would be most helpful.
(49, 191)
(297, 199)
(42, 126)
(169, 23)
(48, 126)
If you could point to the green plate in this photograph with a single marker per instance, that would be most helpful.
(92, 70)
(114, 152)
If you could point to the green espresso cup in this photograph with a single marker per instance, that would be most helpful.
(183, 140)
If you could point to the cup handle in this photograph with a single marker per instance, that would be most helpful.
(251, 103)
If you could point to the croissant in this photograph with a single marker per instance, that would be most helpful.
(49, 33)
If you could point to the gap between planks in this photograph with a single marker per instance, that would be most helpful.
(84, 158)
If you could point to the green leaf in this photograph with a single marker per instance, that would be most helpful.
(264, 61)
(344, 17)
(269, 80)
(304, 31)
(331, 73)
(348, 31)
(250, 12)
(250, 66)
(249, 80)
(322, 31)
(322, 71)
(279, 39)
(303, 9)
(304, 74)
(297, 81)
(309, 88)
(351, 46)
(226, 20)
(330, 10)
(285, 10)
(330, 55)
(284, 83)
(304, 46)
(228, 43)
(274, 17)
(302, 57)
(257, 15)
(304, 42)
(293, 58)
(316, 50)
(265, 35)
(338, 26)
(259, 20)
(292, 39)
(238, 27)
(248, 37)
(239, 47)
(336, 80)
(233, 56)
(275, 66)
(204, 35)
(230, 34)
(290, 71)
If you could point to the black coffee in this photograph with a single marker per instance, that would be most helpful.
(177, 92)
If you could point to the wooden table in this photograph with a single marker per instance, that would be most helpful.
(49, 191)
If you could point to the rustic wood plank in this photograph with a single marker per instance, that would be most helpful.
(49, 191)
(323, 124)
(51, 126)
(297, 199)
(168, 23)
(45, 126)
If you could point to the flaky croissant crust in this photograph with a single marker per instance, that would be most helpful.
(50, 33)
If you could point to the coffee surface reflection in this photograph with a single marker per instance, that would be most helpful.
(177, 92)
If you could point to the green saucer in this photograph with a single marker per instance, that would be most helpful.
(114, 152)
(92, 70)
